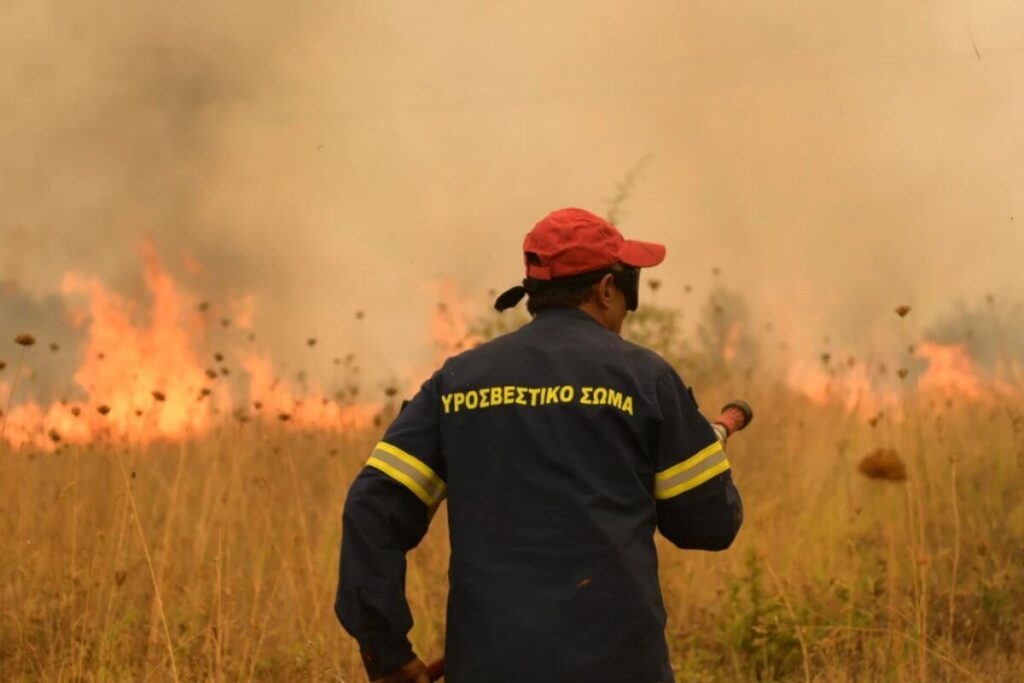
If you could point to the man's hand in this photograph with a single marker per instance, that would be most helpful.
(412, 672)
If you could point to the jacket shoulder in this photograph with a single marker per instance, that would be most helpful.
(646, 358)
(482, 350)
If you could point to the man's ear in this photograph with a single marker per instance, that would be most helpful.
(604, 290)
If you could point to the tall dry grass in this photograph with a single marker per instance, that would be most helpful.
(221, 563)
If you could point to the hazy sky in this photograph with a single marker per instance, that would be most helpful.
(834, 159)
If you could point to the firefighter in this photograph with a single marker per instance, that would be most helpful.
(560, 448)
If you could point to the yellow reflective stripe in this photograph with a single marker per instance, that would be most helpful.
(690, 462)
(403, 478)
(688, 484)
(409, 471)
(412, 460)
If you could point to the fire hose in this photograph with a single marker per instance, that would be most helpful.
(735, 416)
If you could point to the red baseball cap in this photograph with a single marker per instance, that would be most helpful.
(573, 241)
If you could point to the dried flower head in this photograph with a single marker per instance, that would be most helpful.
(284, 417)
(225, 372)
(903, 372)
(204, 392)
(158, 395)
(225, 322)
(257, 404)
(138, 412)
(211, 373)
(25, 339)
(2, 365)
(311, 341)
(716, 271)
(884, 464)
(76, 411)
(119, 576)
(204, 306)
(654, 284)
(103, 409)
(902, 310)
(218, 356)
(54, 436)
(390, 391)
(360, 315)
(54, 347)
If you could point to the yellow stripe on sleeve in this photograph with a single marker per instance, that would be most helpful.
(410, 471)
(691, 473)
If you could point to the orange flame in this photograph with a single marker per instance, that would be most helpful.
(311, 410)
(852, 388)
(149, 380)
(951, 371)
(125, 363)
(449, 325)
(732, 340)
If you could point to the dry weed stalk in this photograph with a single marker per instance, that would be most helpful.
(24, 340)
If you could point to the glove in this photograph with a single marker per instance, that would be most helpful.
(412, 672)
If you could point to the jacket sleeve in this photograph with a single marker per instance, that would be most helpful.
(698, 506)
(387, 511)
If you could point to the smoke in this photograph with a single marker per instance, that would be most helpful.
(334, 157)
(118, 136)
(51, 327)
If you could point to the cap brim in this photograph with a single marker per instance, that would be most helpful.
(641, 254)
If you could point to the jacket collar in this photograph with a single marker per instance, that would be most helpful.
(555, 314)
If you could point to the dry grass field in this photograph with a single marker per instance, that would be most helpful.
(215, 558)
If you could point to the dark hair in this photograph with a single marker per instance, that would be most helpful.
(558, 295)
(568, 292)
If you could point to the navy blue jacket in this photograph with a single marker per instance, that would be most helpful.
(560, 448)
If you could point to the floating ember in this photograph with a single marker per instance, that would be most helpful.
(884, 464)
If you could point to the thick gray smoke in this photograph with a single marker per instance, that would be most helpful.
(833, 160)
